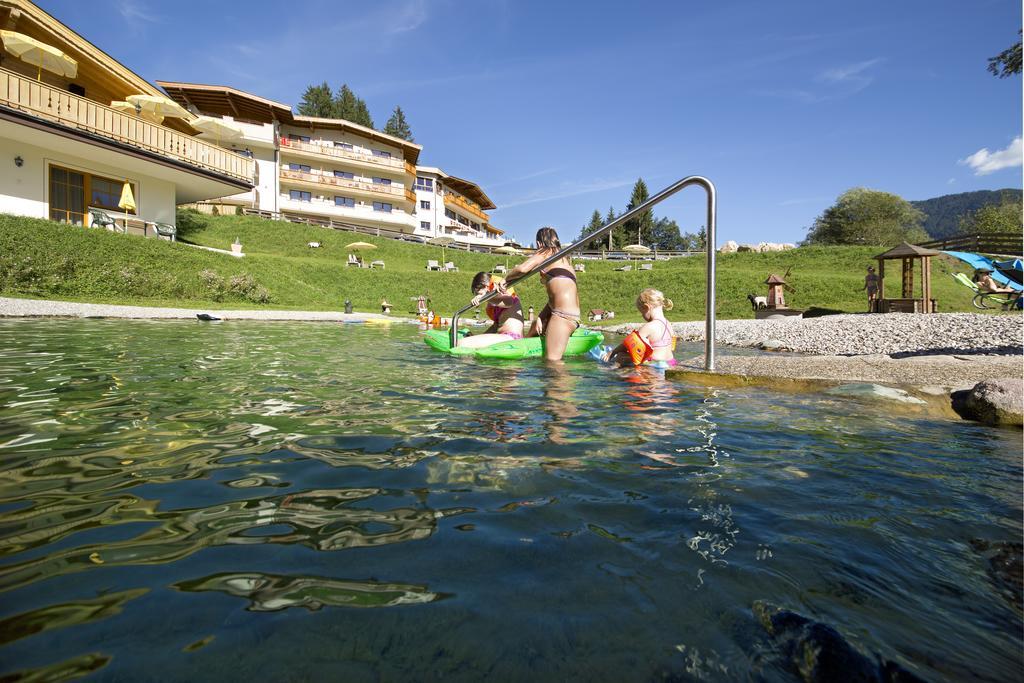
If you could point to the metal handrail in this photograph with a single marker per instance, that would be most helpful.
(709, 249)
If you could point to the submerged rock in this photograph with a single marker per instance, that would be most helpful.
(874, 391)
(1005, 567)
(993, 401)
(817, 652)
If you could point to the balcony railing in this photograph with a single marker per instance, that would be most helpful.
(391, 163)
(54, 104)
(466, 205)
(334, 181)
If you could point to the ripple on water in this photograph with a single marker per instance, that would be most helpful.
(464, 520)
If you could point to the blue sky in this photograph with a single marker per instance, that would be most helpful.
(556, 108)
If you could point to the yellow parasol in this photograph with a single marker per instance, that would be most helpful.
(159, 105)
(219, 128)
(636, 250)
(39, 54)
(129, 108)
(360, 246)
(127, 203)
(442, 241)
(508, 251)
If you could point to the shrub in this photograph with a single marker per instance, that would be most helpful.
(245, 285)
(215, 285)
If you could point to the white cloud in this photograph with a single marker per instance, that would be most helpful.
(566, 190)
(951, 181)
(409, 17)
(135, 11)
(852, 73)
(984, 162)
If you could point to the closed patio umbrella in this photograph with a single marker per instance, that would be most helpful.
(127, 203)
(39, 54)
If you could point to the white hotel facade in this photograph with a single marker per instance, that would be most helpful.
(333, 170)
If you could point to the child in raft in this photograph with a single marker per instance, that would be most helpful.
(653, 342)
(504, 310)
(561, 317)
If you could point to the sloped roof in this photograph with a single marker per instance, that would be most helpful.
(906, 249)
(774, 279)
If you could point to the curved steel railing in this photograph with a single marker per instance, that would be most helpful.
(709, 248)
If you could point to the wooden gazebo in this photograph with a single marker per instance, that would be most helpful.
(907, 303)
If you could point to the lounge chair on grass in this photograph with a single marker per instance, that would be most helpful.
(624, 269)
(579, 267)
(983, 299)
(499, 269)
(354, 260)
(450, 267)
(374, 264)
(433, 265)
(597, 314)
(646, 266)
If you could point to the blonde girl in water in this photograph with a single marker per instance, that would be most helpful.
(561, 316)
(653, 342)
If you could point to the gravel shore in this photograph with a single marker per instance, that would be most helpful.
(834, 335)
(856, 335)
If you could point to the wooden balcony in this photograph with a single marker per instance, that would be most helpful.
(465, 205)
(321, 180)
(61, 107)
(393, 164)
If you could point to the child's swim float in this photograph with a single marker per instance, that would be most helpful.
(581, 341)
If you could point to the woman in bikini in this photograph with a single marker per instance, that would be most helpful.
(561, 316)
(504, 310)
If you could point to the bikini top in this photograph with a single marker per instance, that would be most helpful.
(552, 273)
(666, 338)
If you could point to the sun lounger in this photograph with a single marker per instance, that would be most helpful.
(433, 265)
(579, 267)
(374, 264)
(646, 266)
(597, 314)
(499, 269)
(354, 260)
(624, 269)
(451, 267)
(983, 298)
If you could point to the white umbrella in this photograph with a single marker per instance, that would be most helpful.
(508, 251)
(129, 108)
(159, 105)
(219, 128)
(442, 241)
(636, 250)
(39, 54)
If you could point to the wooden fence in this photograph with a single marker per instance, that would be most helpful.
(1002, 243)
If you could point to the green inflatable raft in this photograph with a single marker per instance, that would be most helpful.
(581, 341)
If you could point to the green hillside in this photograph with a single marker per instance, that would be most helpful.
(943, 214)
(42, 259)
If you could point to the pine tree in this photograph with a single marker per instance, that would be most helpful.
(398, 126)
(345, 103)
(638, 228)
(608, 219)
(317, 101)
(362, 114)
(595, 224)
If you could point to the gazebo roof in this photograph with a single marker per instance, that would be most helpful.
(905, 250)
(774, 279)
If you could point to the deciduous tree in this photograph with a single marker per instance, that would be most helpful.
(863, 216)
(1007, 62)
(1005, 217)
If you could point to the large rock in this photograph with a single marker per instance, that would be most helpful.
(818, 653)
(993, 401)
(874, 392)
(729, 247)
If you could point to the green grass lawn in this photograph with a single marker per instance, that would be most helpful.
(42, 259)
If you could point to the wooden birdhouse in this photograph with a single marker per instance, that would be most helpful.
(776, 298)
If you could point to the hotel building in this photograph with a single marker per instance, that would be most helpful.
(331, 170)
(450, 206)
(64, 150)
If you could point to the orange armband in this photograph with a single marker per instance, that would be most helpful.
(639, 350)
